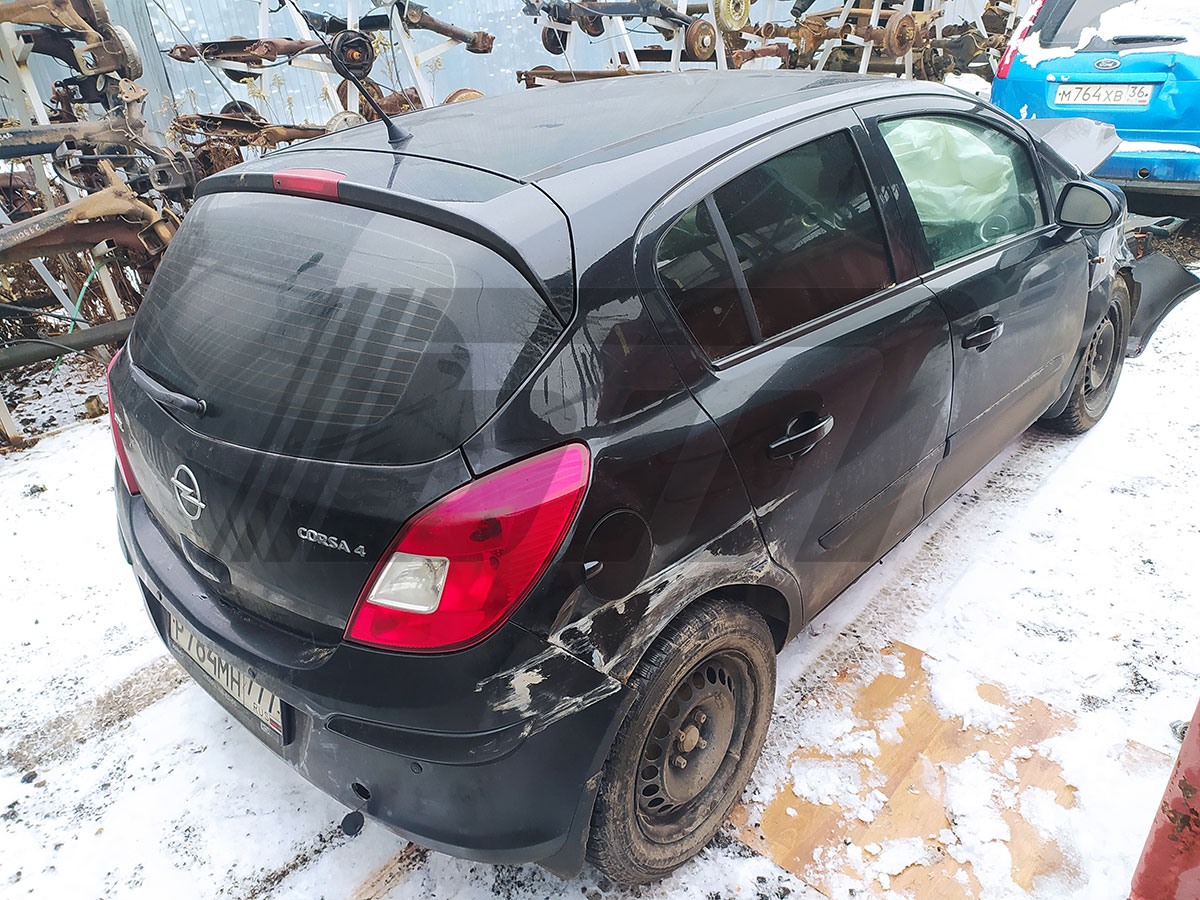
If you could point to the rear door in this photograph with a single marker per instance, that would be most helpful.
(1013, 284)
(823, 360)
(343, 356)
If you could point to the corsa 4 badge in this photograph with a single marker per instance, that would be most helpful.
(328, 540)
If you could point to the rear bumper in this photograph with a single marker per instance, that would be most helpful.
(504, 778)
(1154, 172)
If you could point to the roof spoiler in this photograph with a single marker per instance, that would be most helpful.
(1085, 143)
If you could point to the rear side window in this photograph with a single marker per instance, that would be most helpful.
(806, 234)
(698, 279)
(325, 331)
(806, 239)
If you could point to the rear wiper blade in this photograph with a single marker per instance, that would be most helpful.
(165, 396)
(1149, 39)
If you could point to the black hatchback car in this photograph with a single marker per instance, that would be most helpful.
(483, 476)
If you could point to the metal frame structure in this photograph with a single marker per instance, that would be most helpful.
(622, 44)
(877, 11)
(402, 40)
(871, 40)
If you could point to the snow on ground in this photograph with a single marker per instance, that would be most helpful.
(1065, 571)
(43, 400)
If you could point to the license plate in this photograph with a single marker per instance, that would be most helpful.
(1104, 94)
(240, 686)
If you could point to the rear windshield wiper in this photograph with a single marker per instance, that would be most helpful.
(1148, 39)
(165, 396)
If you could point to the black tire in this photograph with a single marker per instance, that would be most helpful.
(705, 690)
(1103, 360)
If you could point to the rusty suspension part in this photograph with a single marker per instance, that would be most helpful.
(806, 36)
(251, 51)
(767, 51)
(123, 125)
(475, 41)
(118, 200)
(106, 47)
(545, 73)
(245, 131)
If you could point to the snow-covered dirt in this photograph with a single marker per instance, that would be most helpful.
(43, 400)
(1064, 572)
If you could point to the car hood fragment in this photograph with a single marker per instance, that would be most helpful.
(1085, 143)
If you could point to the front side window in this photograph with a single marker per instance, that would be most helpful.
(807, 241)
(973, 186)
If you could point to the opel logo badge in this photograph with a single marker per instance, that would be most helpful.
(187, 493)
(1107, 65)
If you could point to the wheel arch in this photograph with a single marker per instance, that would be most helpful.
(1135, 289)
(766, 600)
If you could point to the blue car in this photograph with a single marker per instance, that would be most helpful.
(1132, 63)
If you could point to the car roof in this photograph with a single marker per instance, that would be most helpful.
(533, 135)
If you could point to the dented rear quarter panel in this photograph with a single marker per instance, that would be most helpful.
(611, 384)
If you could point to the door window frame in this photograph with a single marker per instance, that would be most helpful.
(700, 187)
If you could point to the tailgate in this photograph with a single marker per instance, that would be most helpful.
(1150, 95)
(343, 355)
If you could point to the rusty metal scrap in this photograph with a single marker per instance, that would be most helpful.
(531, 77)
(116, 200)
(897, 35)
(105, 47)
(393, 103)
(248, 132)
(246, 50)
(121, 127)
(475, 41)
(781, 51)
(74, 237)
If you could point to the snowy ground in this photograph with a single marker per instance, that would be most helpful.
(43, 400)
(1066, 572)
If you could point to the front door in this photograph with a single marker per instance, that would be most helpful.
(829, 381)
(1013, 284)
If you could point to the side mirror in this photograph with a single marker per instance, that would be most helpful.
(1087, 205)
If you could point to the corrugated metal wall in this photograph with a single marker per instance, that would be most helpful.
(295, 95)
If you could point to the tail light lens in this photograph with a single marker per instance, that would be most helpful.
(320, 184)
(1014, 44)
(459, 568)
(131, 484)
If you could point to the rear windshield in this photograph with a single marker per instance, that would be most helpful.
(325, 331)
(1079, 23)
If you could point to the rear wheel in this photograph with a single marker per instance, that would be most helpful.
(1103, 360)
(689, 744)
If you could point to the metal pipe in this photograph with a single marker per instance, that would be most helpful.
(475, 41)
(28, 354)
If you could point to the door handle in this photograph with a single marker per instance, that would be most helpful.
(799, 443)
(986, 331)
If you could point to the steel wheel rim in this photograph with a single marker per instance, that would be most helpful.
(704, 720)
(1102, 361)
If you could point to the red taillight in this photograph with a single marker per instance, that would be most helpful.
(131, 484)
(458, 568)
(319, 183)
(1014, 44)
